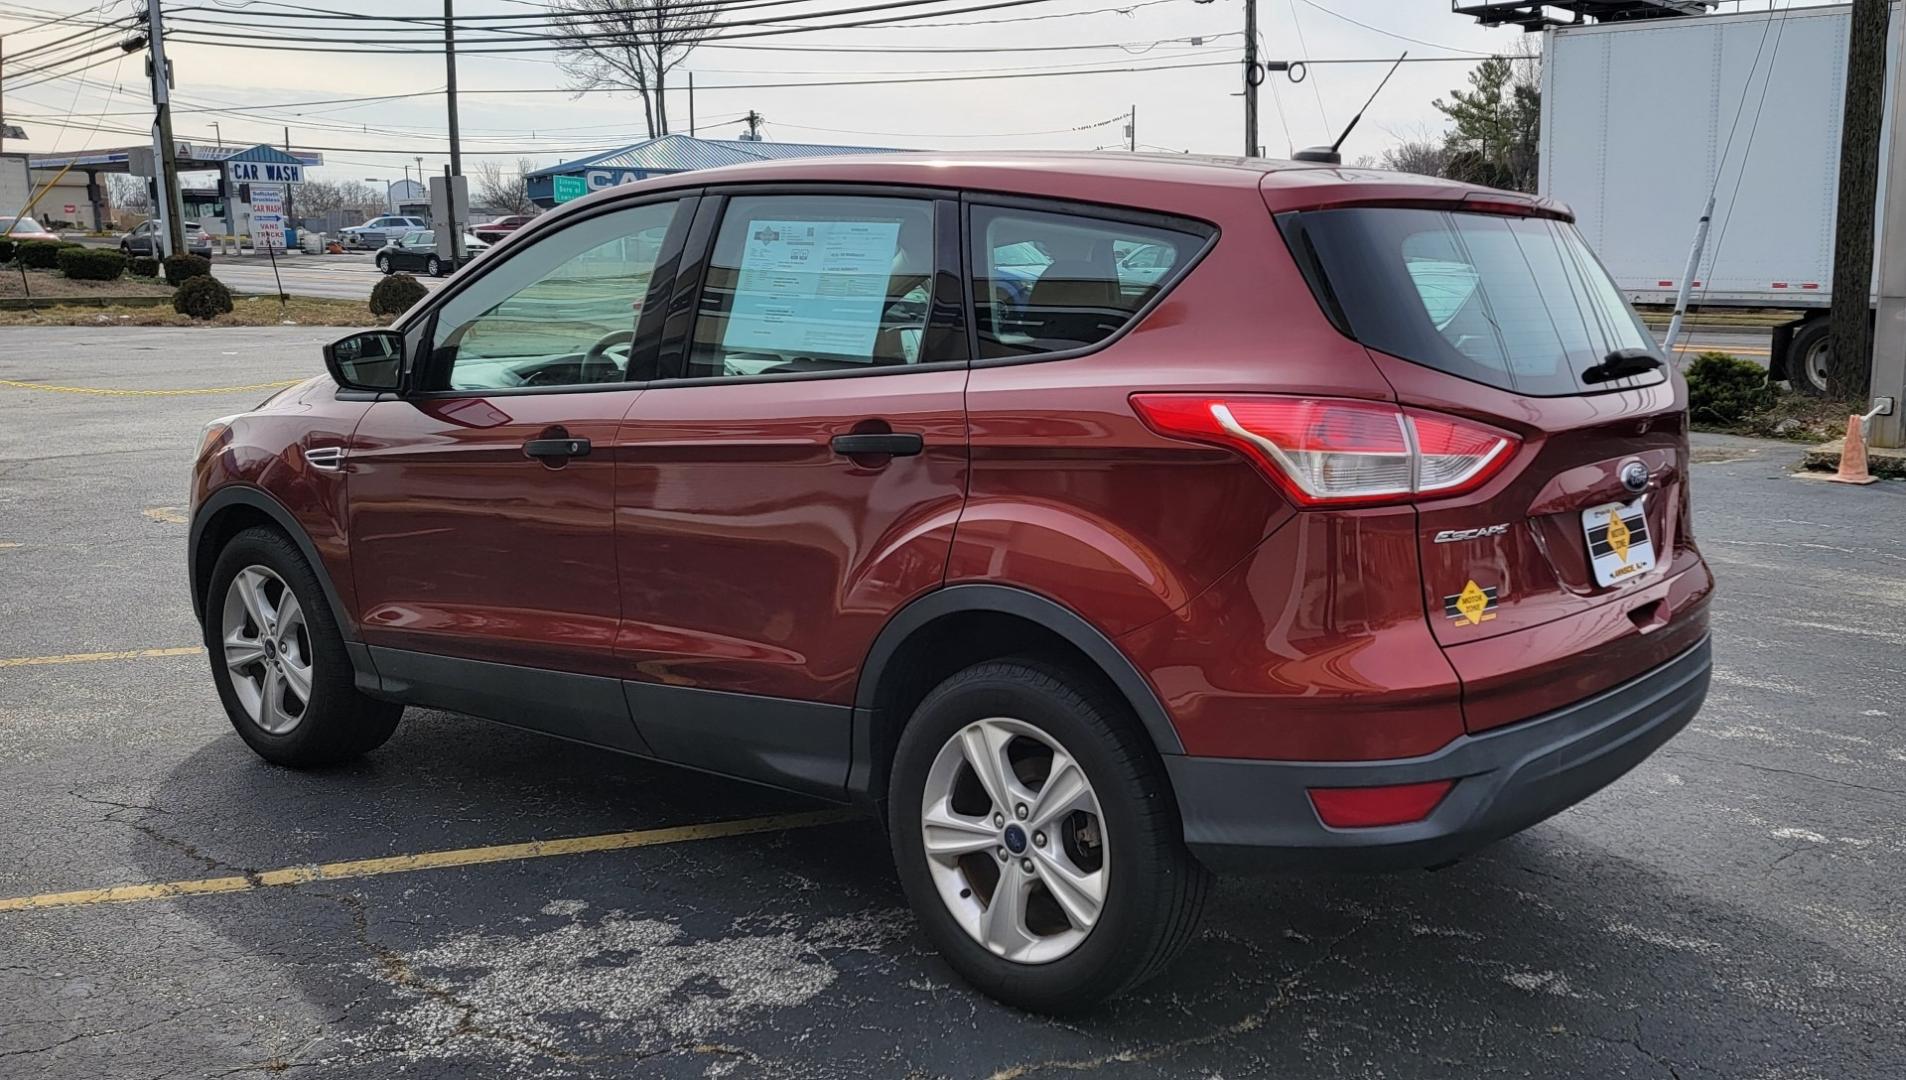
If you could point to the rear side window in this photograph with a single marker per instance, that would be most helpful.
(1517, 303)
(1048, 282)
(802, 283)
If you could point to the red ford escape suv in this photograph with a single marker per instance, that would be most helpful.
(1098, 521)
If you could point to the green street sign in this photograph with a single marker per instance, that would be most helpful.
(569, 187)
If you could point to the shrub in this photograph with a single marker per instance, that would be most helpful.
(202, 297)
(91, 264)
(395, 294)
(1726, 390)
(38, 254)
(143, 266)
(182, 268)
(6, 250)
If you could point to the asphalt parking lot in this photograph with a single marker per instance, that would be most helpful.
(1733, 908)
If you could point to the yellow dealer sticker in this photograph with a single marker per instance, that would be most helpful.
(1475, 605)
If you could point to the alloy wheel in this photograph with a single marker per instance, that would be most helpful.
(1015, 840)
(267, 649)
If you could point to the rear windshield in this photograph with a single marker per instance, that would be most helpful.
(1518, 303)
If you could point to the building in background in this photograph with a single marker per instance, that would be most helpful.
(666, 155)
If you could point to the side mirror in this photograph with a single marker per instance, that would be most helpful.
(372, 360)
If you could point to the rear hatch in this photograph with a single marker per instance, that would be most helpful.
(1507, 320)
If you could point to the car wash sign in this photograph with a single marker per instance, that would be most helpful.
(264, 165)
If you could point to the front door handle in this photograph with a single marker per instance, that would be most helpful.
(892, 444)
(556, 448)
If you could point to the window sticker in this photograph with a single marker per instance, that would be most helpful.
(812, 287)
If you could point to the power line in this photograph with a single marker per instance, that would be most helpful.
(559, 46)
(1380, 30)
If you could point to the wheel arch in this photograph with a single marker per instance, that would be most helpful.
(228, 512)
(955, 627)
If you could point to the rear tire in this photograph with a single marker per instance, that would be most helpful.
(1129, 844)
(334, 722)
(1807, 357)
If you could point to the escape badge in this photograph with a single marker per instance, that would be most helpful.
(1475, 605)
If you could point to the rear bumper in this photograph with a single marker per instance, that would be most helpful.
(1256, 815)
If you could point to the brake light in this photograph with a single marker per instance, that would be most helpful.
(1333, 451)
(1368, 807)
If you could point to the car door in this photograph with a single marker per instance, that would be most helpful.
(481, 500)
(795, 476)
(139, 241)
(410, 251)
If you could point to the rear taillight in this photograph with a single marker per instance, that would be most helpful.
(1335, 451)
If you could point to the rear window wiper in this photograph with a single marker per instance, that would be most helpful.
(1621, 364)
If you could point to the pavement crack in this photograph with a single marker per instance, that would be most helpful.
(397, 971)
(1251, 1021)
(1893, 792)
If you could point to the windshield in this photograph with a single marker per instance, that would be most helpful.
(1519, 303)
(19, 225)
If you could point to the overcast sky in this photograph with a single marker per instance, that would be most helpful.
(1178, 108)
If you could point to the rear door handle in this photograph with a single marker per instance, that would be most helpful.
(893, 444)
(556, 448)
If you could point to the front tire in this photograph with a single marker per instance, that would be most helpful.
(278, 659)
(433, 267)
(1037, 838)
(383, 264)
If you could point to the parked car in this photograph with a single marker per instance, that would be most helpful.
(378, 231)
(21, 229)
(1357, 537)
(492, 231)
(417, 250)
(143, 240)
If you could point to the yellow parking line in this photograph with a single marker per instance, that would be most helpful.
(110, 392)
(89, 657)
(429, 860)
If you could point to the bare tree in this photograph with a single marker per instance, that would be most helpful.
(1426, 157)
(320, 197)
(505, 191)
(630, 45)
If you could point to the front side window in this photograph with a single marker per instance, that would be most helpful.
(1050, 282)
(1515, 302)
(800, 283)
(558, 312)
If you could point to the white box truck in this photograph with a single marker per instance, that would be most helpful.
(1636, 118)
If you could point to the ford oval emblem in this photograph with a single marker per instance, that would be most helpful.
(1634, 476)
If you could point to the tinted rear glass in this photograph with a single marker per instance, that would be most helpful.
(1518, 303)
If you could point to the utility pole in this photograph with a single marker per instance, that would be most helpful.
(1131, 130)
(165, 153)
(691, 104)
(754, 127)
(1889, 333)
(1252, 77)
(1850, 353)
(450, 87)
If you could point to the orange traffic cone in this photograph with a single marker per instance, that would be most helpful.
(1853, 456)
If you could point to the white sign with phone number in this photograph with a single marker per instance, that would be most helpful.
(812, 287)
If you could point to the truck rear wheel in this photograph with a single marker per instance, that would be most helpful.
(1807, 358)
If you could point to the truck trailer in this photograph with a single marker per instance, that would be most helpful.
(1641, 119)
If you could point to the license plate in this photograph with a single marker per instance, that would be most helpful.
(1619, 546)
